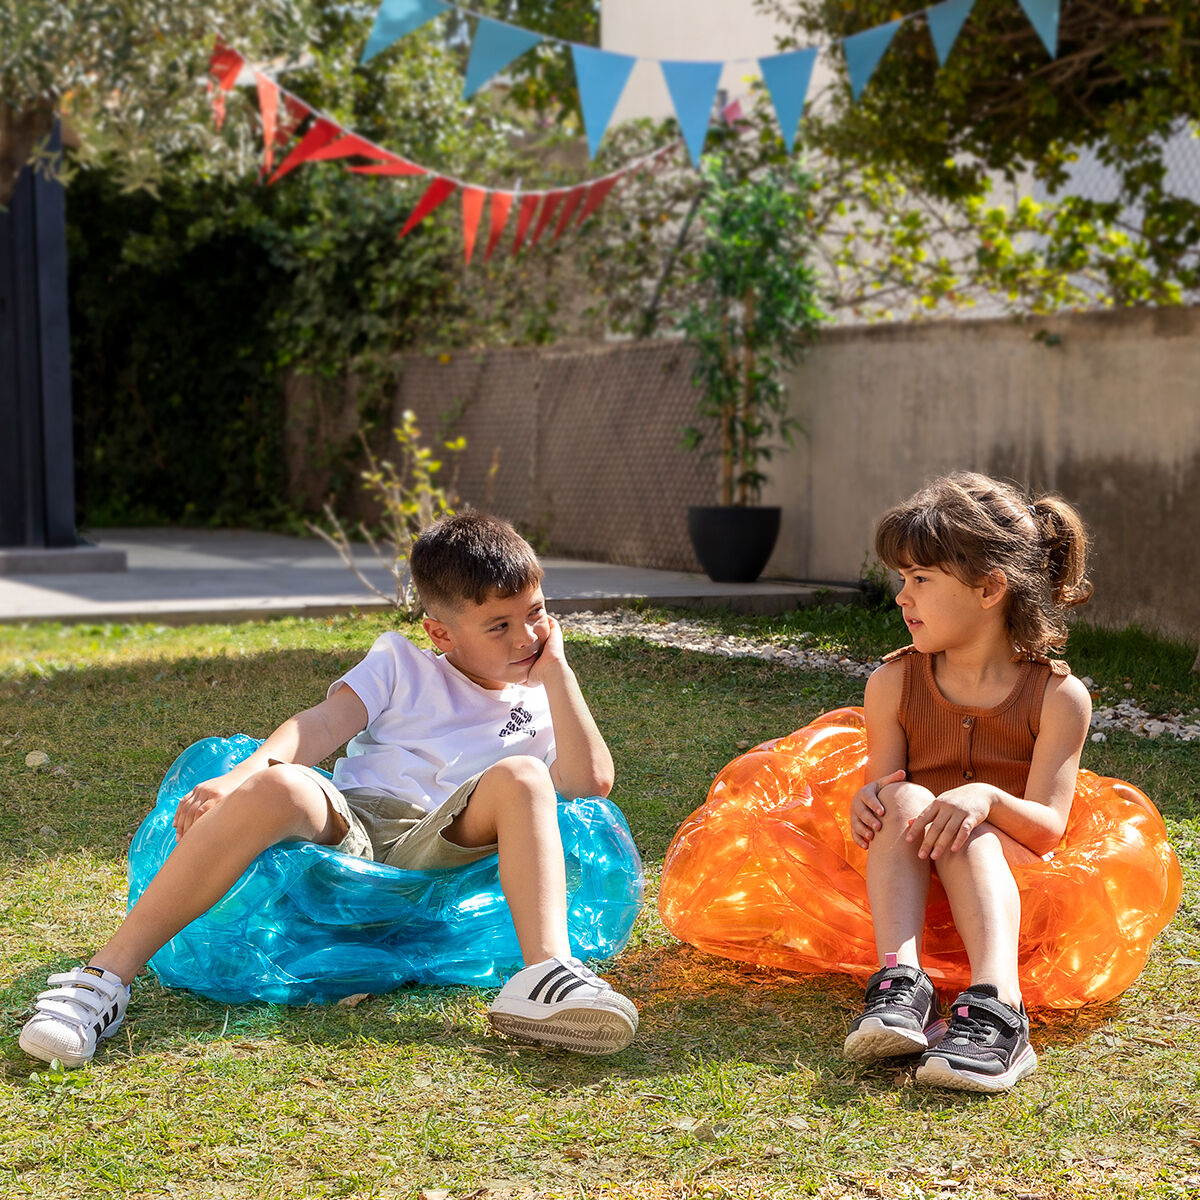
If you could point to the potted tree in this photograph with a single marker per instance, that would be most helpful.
(757, 312)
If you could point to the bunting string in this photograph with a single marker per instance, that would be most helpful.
(282, 113)
(692, 84)
(601, 76)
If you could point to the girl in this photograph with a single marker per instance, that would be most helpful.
(974, 738)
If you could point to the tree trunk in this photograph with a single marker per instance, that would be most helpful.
(19, 134)
(747, 447)
(728, 449)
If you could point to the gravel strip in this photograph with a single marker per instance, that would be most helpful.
(703, 638)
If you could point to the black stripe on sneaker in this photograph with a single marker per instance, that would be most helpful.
(559, 993)
(548, 980)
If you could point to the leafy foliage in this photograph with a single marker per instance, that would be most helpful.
(192, 303)
(177, 415)
(757, 311)
(127, 76)
(408, 501)
(885, 245)
(1126, 78)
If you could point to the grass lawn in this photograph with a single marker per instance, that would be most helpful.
(735, 1085)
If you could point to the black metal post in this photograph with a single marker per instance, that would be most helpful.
(37, 470)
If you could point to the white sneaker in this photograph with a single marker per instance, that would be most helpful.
(561, 1003)
(86, 1006)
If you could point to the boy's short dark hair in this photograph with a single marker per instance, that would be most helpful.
(469, 557)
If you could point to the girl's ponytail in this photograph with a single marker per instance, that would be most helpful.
(1065, 541)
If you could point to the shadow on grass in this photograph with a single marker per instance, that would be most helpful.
(699, 1015)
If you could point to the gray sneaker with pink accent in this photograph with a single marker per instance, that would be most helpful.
(986, 1047)
(900, 1015)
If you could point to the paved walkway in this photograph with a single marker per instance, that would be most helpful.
(178, 576)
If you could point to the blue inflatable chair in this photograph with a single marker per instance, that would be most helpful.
(305, 923)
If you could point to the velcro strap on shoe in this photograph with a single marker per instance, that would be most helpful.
(1001, 1012)
(886, 976)
(92, 991)
(68, 1011)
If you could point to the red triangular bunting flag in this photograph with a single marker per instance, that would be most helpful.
(216, 98)
(595, 196)
(225, 65)
(268, 107)
(552, 201)
(351, 145)
(501, 207)
(472, 200)
(435, 193)
(320, 133)
(399, 167)
(296, 111)
(525, 213)
(570, 204)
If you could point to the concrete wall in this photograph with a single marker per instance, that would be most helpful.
(1104, 408)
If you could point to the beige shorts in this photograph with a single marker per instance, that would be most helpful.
(397, 832)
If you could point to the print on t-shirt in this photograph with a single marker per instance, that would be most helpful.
(519, 721)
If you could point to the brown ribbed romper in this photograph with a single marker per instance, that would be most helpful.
(952, 744)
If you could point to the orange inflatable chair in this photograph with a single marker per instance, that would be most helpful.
(766, 872)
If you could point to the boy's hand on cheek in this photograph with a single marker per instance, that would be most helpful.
(553, 656)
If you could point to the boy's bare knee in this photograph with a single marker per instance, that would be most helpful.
(280, 794)
(521, 772)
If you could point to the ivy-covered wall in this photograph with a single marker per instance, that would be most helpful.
(191, 308)
(177, 411)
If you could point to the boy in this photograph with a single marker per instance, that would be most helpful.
(451, 756)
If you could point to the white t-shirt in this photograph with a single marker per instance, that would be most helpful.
(430, 728)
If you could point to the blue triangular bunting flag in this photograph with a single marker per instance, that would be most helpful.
(1043, 16)
(692, 85)
(601, 76)
(863, 52)
(787, 77)
(398, 18)
(945, 20)
(496, 44)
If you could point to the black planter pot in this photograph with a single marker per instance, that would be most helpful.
(733, 543)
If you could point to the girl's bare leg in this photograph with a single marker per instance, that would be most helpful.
(897, 880)
(986, 905)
